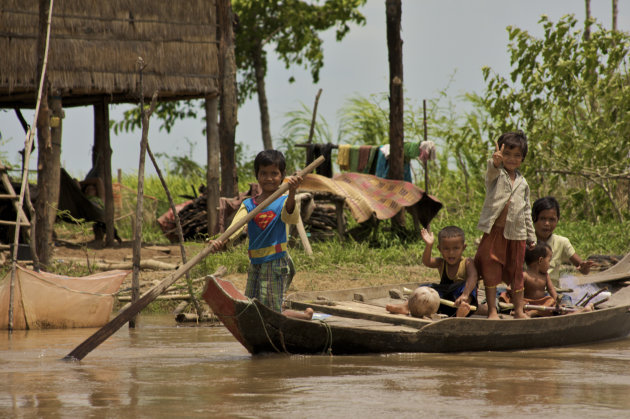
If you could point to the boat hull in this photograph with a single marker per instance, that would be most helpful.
(262, 330)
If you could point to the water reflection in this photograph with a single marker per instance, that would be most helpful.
(161, 370)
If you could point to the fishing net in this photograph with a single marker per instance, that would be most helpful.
(43, 300)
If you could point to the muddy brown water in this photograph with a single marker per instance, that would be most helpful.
(161, 370)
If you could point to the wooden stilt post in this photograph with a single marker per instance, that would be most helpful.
(29, 143)
(137, 232)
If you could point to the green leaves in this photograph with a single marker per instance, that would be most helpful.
(292, 28)
(567, 93)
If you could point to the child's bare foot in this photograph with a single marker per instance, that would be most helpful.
(463, 310)
(521, 315)
(493, 316)
(398, 308)
(305, 315)
(588, 307)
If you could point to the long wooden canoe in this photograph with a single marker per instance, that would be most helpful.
(344, 325)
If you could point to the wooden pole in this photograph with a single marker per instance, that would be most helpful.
(116, 323)
(137, 232)
(178, 226)
(396, 97)
(27, 198)
(213, 173)
(28, 145)
(311, 132)
(229, 101)
(425, 163)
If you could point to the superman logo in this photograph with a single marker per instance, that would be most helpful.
(262, 219)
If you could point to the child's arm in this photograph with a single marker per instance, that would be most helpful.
(584, 266)
(240, 214)
(529, 223)
(294, 184)
(471, 282)
(551, 289)
(427, 259)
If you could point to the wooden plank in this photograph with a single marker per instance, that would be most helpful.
(12, 223)
(620, 270)
(358, 310)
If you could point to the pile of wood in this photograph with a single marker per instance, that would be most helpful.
(322, 224)
(194, 219)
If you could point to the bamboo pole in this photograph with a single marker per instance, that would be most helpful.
(312, 129)
(137, 232)
(133, 309)
(425, 163)
(178, 226)
(28, 144)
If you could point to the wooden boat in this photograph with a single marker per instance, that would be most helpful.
(355, 321)
(42, 300)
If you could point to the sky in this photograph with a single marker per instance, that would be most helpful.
(445, 44)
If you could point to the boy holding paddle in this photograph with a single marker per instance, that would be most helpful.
(271, 268)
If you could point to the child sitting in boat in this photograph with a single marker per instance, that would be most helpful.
(506, 221)
(458, 275)
(539, 290)
(538, 287)
(545, 214)
(271, 268)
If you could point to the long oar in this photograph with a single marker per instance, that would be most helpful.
(561, 310)
(451, 304)
(116, 323)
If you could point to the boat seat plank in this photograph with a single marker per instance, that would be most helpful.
(362, 310)
(338, 321)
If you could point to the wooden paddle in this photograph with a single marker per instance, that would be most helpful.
(116, 323)
(450, 303)
(562, 310)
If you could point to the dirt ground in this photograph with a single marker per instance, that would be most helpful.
(338, 278)
(70, 251)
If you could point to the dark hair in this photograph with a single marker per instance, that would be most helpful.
(451, 231)
(514, 139)
(268, 158)
(543, 204)
(540, 251)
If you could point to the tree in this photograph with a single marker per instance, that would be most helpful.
(570, 94)
(293, 28)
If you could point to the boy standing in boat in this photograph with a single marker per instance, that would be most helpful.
(458, 275)
(271, 268)
(506, 221)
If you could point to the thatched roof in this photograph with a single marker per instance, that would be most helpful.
(95, 45)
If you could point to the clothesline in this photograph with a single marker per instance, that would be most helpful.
(367, 158)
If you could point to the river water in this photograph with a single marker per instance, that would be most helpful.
(161, 370)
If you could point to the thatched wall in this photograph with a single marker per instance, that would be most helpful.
(95, 46)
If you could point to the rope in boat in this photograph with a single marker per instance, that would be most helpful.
(328, 344)
(327, 350)
(250, 302)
